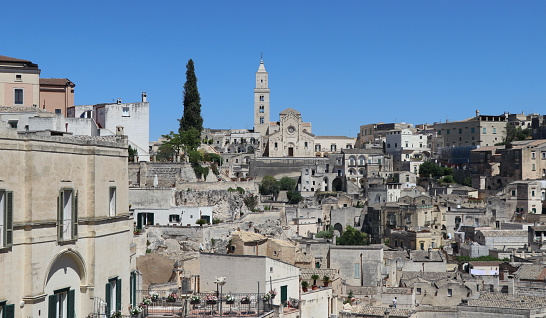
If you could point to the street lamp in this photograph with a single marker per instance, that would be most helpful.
(220, 281)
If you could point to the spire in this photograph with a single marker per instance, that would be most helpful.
(262, 67)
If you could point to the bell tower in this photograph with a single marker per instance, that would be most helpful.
(261, 101)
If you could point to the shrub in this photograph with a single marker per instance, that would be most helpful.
(251, 201)
(201, 222)
(294, 197)
(325, 234)
(216, 221)
(240, 190)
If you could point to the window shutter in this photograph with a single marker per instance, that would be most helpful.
(70, 313)
(131, 282)
(60, 203)
(75, 216)
(52, 306)
(9, 219)
(108, 299)
(9, 311)
(118, 295)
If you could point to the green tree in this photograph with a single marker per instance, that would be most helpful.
(294, 197)
(467, 181)
(266, 186)
(351, 236)
(132, 153)
(191, 123)
(447, 179)
(190, 139)
(173, 141)
(287, 183)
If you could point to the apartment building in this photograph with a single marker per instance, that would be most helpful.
(19, 82)
(481, 130)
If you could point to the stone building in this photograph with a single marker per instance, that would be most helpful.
(408, 150)
(358, 265)
(481, 130)
(65, 222)
(524, 160)
(325, 145)
(502, 239)
(290, 136)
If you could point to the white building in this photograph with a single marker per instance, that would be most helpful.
(409, 151)
(133, 117)
(244, 272)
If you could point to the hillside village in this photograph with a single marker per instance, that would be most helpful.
(402, 220)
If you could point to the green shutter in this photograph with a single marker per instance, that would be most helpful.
(52, 306)
(118, 295)
(9, 311)
(8, 208)
(108, 300)
(131, 286)
(70, 313)
(60, 208)
(75, 215)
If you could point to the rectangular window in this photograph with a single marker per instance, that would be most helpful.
(543, 155)
(418, 291)
(333, 147)
(18, 96)
(533, 155)
(357, 270)
(472, 130)
(67, 215)
(306, 144)
(494, 130)
(534, 167)
(18, 77)
(448, 131)
(6, 218)
(261, 120)
(513, 193)
(174, 218)
(460, 131)
(484, 130)
(58, 111)
(113, 296)
(125, 112)
(61, 303)
(439, 132)
(13, 123)
(449, 292)
(112, 201)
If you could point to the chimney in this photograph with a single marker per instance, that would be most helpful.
(119, 101)
(477, 112)
(119, 130)
(144, 99)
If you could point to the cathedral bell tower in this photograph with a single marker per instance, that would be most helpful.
(261, 101)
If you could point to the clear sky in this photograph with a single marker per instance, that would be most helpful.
(342, 64)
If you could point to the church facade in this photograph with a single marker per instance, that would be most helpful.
(290, 136)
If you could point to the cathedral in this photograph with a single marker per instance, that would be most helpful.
(288, 137)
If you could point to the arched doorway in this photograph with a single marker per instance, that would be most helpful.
(62, 285)
(337, 184)
(338, 227)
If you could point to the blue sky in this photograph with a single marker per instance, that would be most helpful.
(342, 64)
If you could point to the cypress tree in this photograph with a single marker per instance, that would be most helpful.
(192, 104)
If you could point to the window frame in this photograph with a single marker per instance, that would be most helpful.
(15, 95)
(61, 210)
(6, 216)
(112, 201)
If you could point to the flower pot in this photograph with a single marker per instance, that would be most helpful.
(304, 289)
(326, 284)
(230, 302)
(245, 302)
(314, 287)
(273, 296)
(195, 302)
(211, 302)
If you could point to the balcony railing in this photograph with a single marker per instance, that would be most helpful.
(237, 305)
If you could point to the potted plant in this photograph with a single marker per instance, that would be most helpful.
(171, 298)
(230, 300)
(245, 299)
(154, 296)
(304, 285)
(116, 314)
(266, 297)
(273, 293)
(135, 311)
(314, 277)
(146, 301)
(326, 280)
(211, 300)
(195, 300)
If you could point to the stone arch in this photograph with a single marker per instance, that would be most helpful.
(361, 160)
(247, 160)
(337, 184)
(361, 172)
(338, 227)
(66, 260)
(352, 160)
(352, 172)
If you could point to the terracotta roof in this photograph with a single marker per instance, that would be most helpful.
(56, 81)
(12, 59)
(248, 237)
(500, 300)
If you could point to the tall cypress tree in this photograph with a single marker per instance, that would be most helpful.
(191, 123)
(192, 101)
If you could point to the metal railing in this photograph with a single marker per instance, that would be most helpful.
(183, 306)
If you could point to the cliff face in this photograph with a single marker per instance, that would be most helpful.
(226, 206)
